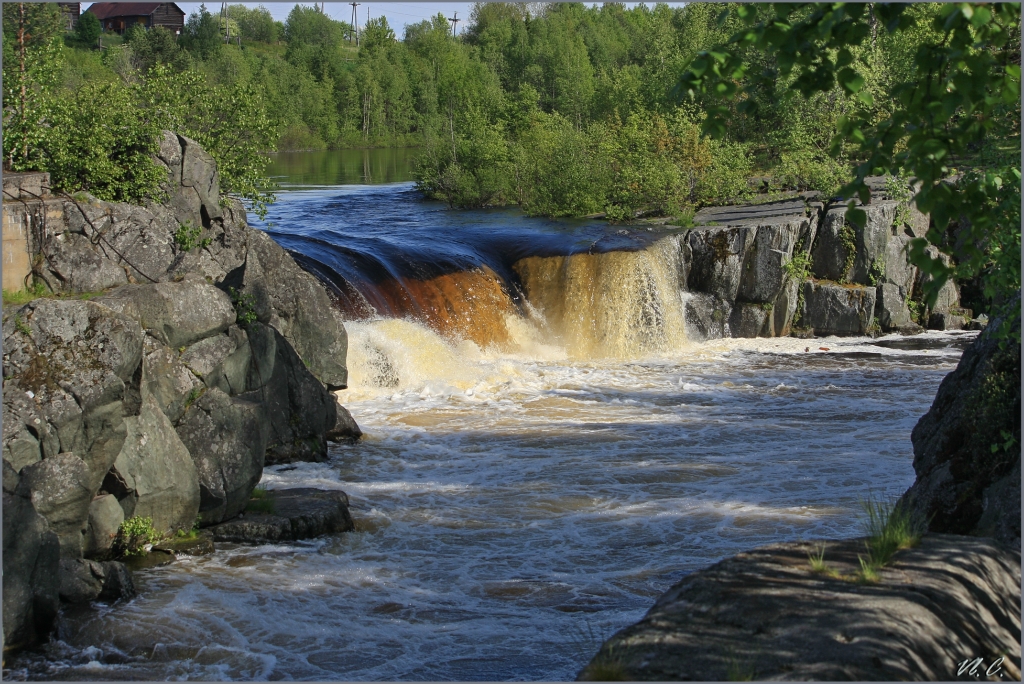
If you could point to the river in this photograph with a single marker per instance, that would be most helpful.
(527, 484)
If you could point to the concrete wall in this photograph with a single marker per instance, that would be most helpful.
(27, 208)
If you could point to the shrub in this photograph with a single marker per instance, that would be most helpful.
(88, 28)
(187, 237)
(133, 535)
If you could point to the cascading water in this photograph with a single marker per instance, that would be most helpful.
(545, 453)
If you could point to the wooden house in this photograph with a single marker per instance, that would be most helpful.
(118, 16)
(71, 12)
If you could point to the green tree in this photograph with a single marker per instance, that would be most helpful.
(255, 23)
(949, 103)
(32, 65)
(88, 28)
(154, 46)
(201, 34)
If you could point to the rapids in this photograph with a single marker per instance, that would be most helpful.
(545, 453)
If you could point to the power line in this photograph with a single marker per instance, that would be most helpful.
(355, 20)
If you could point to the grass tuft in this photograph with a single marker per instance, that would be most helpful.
(259, 502)
(605, 667)
(818, 564)
(890, 527)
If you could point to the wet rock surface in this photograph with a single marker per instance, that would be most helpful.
(765, 614)
(198, 545)
(295, 514)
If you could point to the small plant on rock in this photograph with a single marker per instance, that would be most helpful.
(891, 526)
(134, 535)
(898, 189)
(188, 237)
(260, 502)
(818, 564)
(245, 306)
(848, 237)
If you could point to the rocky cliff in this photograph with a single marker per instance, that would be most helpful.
(797, 265)
(967, 447)
(184, 351)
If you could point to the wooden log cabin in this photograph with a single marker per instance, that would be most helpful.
(70, 11)
(118, 16)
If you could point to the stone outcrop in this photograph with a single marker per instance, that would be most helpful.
(205, 356)
(31, 578)
(295, 514)
(967, 447)
(738, 268)
(765, 614)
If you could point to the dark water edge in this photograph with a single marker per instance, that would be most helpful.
(372, 166)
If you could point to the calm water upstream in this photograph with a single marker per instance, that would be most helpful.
(524, 489)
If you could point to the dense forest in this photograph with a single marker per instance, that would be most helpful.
(560, 108)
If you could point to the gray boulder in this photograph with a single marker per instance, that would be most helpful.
(154, 476)
(176, 313)
(193, 184)
(763, 266)
(60, 490)
(831, 309)
(749, 319)
(830, 256)
(221, 361)
(299, 409)
(963, 486)
(892, 310)
(345, 429)
(31, 578)
(898, 269)
(297, 306)
(780, 320)
(765, 615)
(226, 438)
(167, 379)
(296, 514)
(949, 320)
(74, 264)
(706, 317)
(86, 580)
(105, 518)
(872, 242)
(717, 257)
(78, 360)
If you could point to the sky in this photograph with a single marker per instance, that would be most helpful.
(398, 13)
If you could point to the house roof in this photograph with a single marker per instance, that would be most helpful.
(105, 10)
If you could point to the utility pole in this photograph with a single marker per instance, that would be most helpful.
(355, 21)
(227, 26)
(455, 22)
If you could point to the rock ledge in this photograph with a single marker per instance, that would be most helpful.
(765, 615)
(297, 514)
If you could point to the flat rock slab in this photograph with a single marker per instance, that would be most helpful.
(297, 514)
(765, 614)
(154, 559)
(200, 545)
